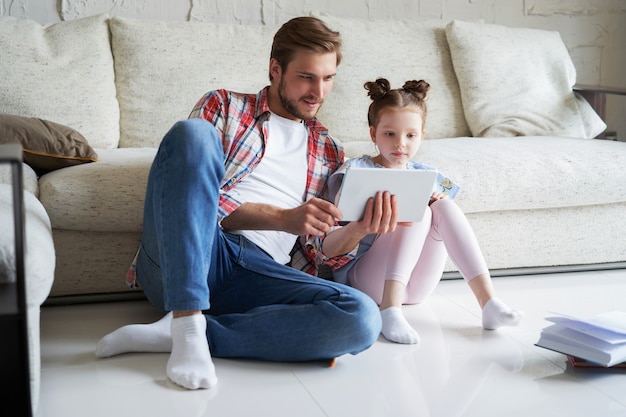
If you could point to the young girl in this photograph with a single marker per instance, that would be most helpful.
(401, 263)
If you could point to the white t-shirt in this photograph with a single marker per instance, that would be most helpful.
(279, 180)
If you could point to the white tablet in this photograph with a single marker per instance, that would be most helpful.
(412, 188)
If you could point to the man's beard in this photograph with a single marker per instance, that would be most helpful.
(290, 105)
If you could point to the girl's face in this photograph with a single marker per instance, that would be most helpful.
(398, 136)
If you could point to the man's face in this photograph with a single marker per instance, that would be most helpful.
(303, 86)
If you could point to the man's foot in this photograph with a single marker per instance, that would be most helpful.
(190, 364)
(497, 314)
(153, 337)
(396, 328)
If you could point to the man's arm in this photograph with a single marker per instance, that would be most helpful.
(315, 217)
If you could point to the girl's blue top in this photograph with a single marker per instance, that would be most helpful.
(443, 185)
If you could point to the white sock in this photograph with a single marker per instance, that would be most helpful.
(497, 314)
(190, 364)
(396, 328)
(153, 337)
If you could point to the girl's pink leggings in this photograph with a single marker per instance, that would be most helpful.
(415, 255)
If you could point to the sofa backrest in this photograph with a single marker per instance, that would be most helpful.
(398, 51)
(124, 82)
(162, 69)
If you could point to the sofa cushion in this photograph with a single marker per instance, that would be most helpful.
(399, 51)
(104, 197)
(526, 173)
(518, 82)
(163, 68)
(61, 72)
(47, 145)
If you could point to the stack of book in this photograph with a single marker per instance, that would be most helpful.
(600, 340)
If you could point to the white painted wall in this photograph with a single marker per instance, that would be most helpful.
(593, 30)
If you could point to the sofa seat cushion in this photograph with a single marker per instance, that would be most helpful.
(105, 196)
(517, 173)
(62, 72)
(525, 173)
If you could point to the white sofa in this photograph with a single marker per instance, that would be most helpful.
(539, 194)
(503, 122)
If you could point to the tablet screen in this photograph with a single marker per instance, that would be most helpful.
(412, 188)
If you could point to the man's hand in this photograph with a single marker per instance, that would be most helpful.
(315, 217)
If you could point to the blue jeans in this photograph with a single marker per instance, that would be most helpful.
(255, 307)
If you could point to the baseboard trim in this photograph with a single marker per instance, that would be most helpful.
(139, 295)
(537, 270)
(63, 300)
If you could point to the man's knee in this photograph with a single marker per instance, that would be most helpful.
(195, 140)
(369, 323)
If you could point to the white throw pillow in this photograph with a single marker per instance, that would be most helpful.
(62, 72)
(518, 82)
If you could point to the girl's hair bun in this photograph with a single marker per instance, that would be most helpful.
(377, 89)
(418, 88)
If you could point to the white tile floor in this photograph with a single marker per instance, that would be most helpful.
(458, 370)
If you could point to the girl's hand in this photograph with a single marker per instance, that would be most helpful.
(381, 214)
(435, 197)
(380, 217)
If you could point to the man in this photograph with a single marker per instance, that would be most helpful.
(229, 192)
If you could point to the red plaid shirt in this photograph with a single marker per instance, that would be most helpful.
(242, 121)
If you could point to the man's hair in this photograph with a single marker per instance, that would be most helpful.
(304, 34)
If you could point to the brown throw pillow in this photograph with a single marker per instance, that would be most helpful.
(47, 145)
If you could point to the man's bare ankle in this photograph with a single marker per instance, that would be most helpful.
(184, 313)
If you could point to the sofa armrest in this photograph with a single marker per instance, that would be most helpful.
(596, 95)
(13, 311)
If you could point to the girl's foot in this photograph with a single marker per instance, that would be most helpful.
(497, 314)
(396, 328)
